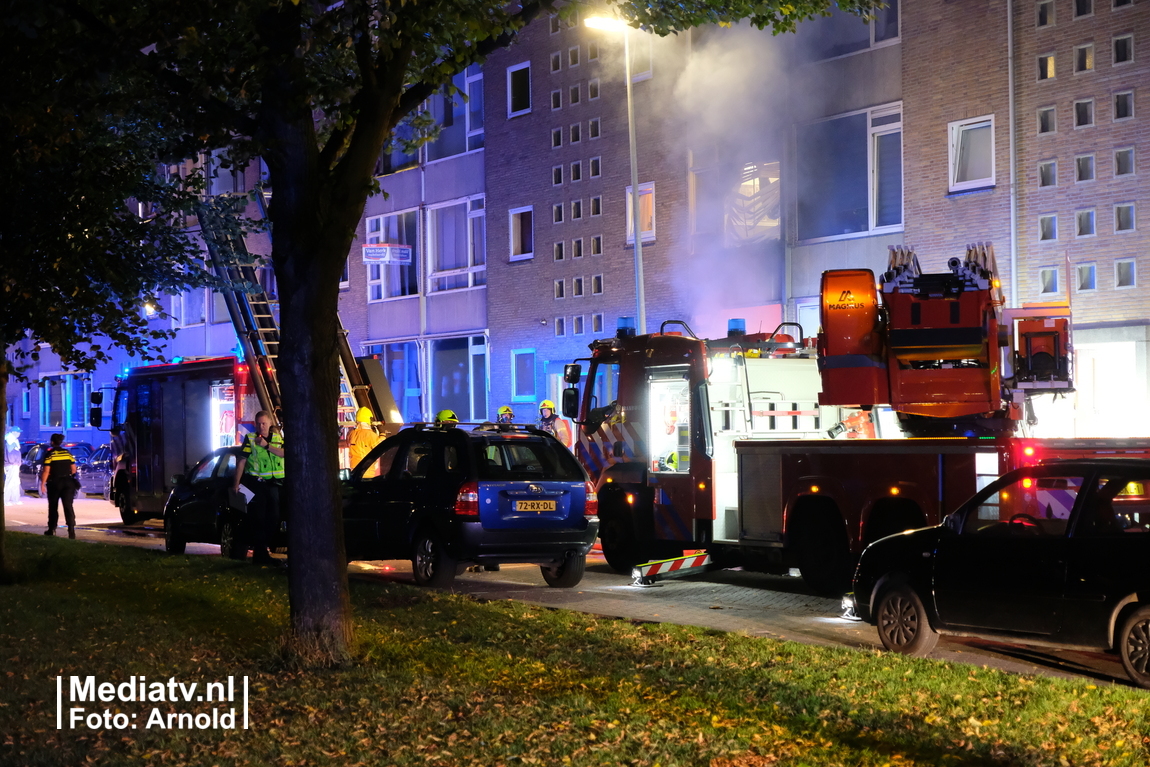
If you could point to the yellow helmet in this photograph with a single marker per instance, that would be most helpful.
(363, 415)
(506, 410)
(446, 416)
(547, 404)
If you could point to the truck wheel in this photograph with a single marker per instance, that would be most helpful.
(903, 625)
(1134, 646)
(174, 541)
(430, 563)
(823, 554)
(565, 575)
(124, 504)
(232, 544)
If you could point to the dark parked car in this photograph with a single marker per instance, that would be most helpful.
(198, 508)
(34, 461)
(444, 497)
(1056, 554)
(96, 474)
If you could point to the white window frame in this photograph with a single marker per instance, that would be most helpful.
(576, 171)
(596, 205)
(575, 133)
(577, 247)
(557, 251)
(596, 284)
(576, 210)
(1053, 164)
(1074, 10)
(577, 325)
(1089, 47)
(510, 71)
(592, 50)
(595, 167)
(596, 245)
(635, 46)
(1053, 120)
(574, 94)
(1093, 218)
(557, 173)
(557, 213)
(594, 129)
(1052, 68)
(1052, 270)
(955, 131)
(573, 56)
(1133, 162)
(559, 292)
(593, 89)
(1093, 168)
(1133, 273)
(1090, 268)
(1093, 114)
(556, 61)
(1053, 218)
(556, 138)
(644, 189)
(556, 100)
(1113, 50)
(597, 322)
(472, 269)
(511, 214)
(1114, 105)
(376, 237)
(1133, 217)
(560, 326)
(515, 395)
(577, 290)
(1038, 13)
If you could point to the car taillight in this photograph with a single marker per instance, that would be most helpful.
(467, 503)
(591, 505)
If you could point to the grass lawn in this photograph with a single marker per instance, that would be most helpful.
(448, 680)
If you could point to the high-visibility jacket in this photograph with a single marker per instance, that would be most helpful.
(558, 427)
(261, 462)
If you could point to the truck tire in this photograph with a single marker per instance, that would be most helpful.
(124, 504)
(232, 543)
(903, 625)
(617, 534)
(567, 574)
(823, 552)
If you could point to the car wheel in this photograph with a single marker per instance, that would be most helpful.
(566, 575)
(430, 563)
(1134, 646)
(232, 544)
(903, 625)
(174, 541)
(124, 504)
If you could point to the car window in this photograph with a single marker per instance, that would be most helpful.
(1121, 505)
(203, 472)
(227, 465)
(451, 462)
(534, 459)
(381, 465)
(417, 459)
(1025, 506)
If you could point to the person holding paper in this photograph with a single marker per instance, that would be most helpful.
(260, 470)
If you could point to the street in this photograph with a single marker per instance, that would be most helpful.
(753, 604)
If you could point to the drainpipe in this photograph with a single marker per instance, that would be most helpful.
(1013, 301)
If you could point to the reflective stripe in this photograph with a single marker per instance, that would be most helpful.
(261, 462)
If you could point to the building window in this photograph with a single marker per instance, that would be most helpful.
(1124, 275)
(1123, 3)
(557, 175)
(523, 375)
(576, 210)
(556, 100)
(1047, 281)
(556, 138)
(593, 127)
(399, 278)
(557, 213)
(560, 289)
(596, 323)
(1083, 58)
(577, 248)
(850, 174)
(593, 89)
(1084, 113)
(1084, 223)
(646, 212)
(1084, 167)
(1048, 173)
(1046, 120)
(522, 233)
(26, 404)
(573, 56)
(573, 95)
(596, 167)
(596, 207)
(1124, 162)
(558, 250)
(576, 133)
(556, 61)
(577, 171)
(560, 326)
(1083, 8)
(972, 154)
(519, 89)
(1048, 227)
(1124, 217)
(1046, 66)
(596, 284)
(458, 243)
(1123, 49)
(577, 325)
(592, 50)
(1045, 13)
(841, 33)
(459, 116)
(193, 308)
(577, 287)
(596, 241)
(640, 49)
(1087, 277)
(1124, 105)
(555, 27)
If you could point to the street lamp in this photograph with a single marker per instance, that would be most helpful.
(615, 24)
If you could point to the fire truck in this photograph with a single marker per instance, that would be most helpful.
(172, 415)
(726, 445)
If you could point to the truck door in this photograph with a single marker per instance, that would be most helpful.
(669, 429)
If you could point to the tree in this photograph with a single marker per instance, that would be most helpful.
(317, 89)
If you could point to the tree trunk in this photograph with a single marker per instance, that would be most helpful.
(4, 574)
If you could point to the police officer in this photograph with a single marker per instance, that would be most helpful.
(58, 484)
(261, 470)
(550, 421)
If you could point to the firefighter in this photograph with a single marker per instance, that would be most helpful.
(446, 418)
(551, 422)
(506, 414)
(363, 440)
(260, 469)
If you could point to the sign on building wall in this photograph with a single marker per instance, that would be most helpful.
(387, 254)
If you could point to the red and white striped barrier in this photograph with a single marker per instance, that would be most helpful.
(648, 573)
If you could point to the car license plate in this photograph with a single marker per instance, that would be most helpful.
(535, 505)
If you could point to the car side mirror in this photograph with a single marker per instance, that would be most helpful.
(177, 479)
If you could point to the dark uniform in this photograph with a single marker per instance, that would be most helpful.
(58, 465)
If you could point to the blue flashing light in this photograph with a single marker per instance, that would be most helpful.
(736, 327)
(625, 327)
(177, 360)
